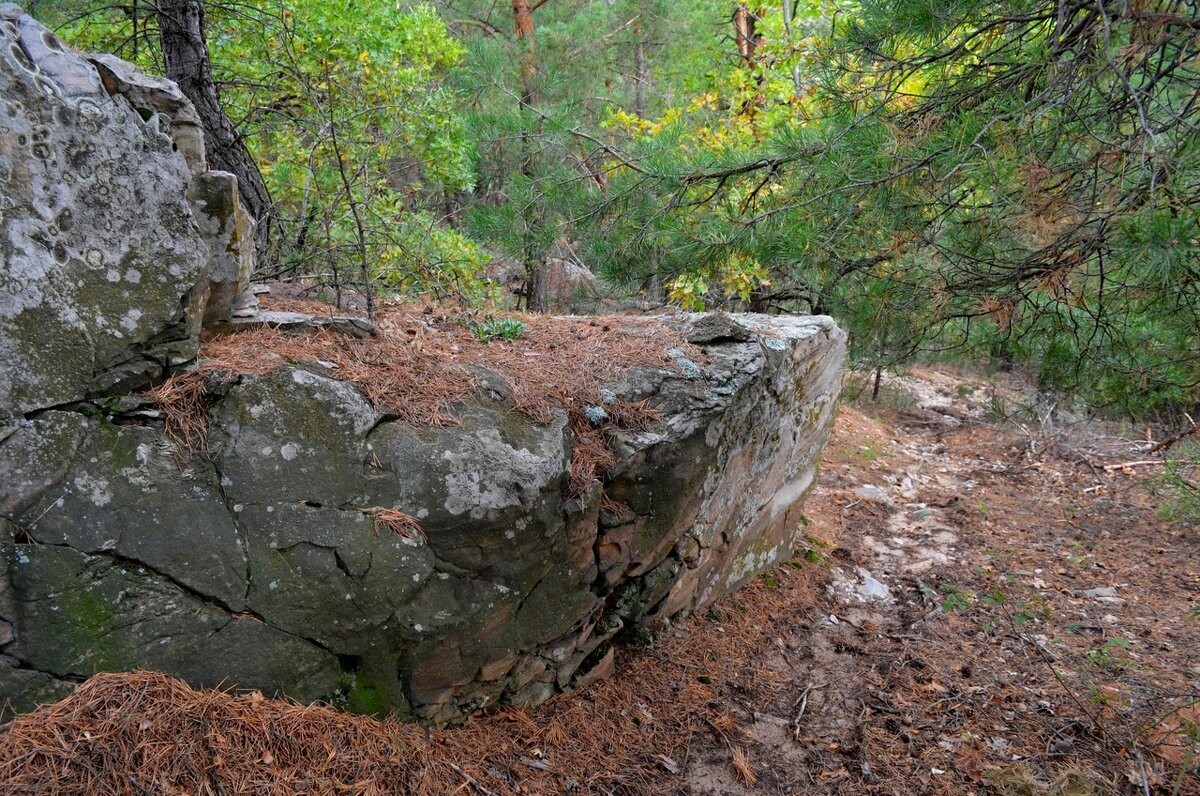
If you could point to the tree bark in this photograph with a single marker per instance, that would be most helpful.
(748, 39)
(639, 73)
(535, 293)
(744, 33)
(523, 23)
(185, 53)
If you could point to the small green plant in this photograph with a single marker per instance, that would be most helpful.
(869, 452)
(954, 599)
(814, 547)
(997, 410)
(498, 329)
(1103, 656)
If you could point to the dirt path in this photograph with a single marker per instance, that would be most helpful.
(1001, 617)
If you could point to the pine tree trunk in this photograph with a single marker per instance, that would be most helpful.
(639, 74)
(748, 38)
(745, 34)
(535, 293)
(185, 53)
(523, 21)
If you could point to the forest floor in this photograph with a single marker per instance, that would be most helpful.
(980, 607)
(1002, 614)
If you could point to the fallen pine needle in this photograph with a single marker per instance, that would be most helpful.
(741, 764)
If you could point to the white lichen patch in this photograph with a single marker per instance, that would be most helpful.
(94, 489)
(137, 477)
(750, 563)
(130, 320)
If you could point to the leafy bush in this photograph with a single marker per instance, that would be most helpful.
(345, 109)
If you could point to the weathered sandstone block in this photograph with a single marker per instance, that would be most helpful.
(259, 563)
(256, 560)
(99, 255)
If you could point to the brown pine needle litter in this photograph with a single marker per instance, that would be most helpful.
(423, 362)
(147, 733)
(741, 764)
(396, 521)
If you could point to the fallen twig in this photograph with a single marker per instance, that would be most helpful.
(1109, 468)
(1169, 442)
(471, 781)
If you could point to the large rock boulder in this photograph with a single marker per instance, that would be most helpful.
(266, 559)
(113, 235)
(260, 563)
(100, 253)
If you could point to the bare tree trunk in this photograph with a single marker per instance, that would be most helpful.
(639, 73)
(788, 14)
(535, 293)
(523, 22)
(185, 53)
(748, 39)
(744, 33)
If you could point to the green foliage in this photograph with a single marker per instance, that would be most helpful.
(1015, 182)
(954, 598)
(420, 256)
(1103, 656)
(1180, 503)
(345, 110)
(498, 329)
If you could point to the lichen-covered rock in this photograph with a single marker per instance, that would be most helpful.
(116, 243)
(265, 560)
(102, 613)
(229, 231)
(99, 255)
(129, 493)
(261, 563)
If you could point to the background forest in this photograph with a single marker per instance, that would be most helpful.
(1009, 181)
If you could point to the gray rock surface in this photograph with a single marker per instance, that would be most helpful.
(115, 242)
(229, 231)
(99, 255)
(298, 321)
(258, 561)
